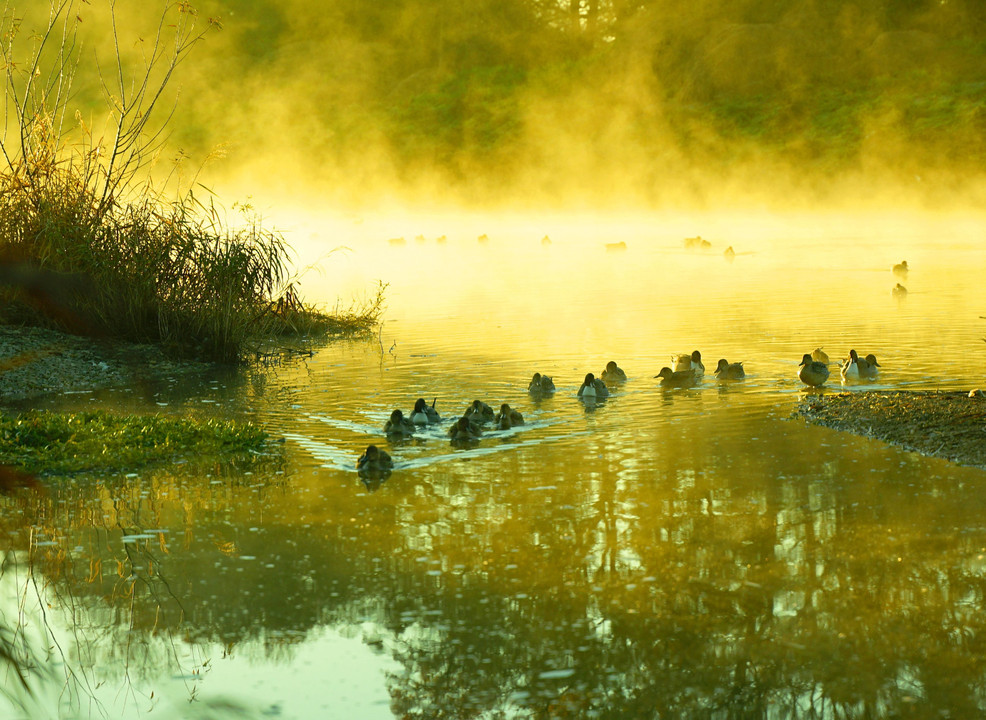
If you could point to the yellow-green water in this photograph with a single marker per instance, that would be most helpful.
(688, 554)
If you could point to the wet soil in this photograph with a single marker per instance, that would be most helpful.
(948, 425)
(38, 363)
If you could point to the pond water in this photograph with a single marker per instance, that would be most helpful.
(695, 553)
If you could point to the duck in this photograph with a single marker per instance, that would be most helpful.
(464, 430)
(398, 425)
(508, 418)
(726, 370)
(689, 362)
(613, 373)
(868, 366)
(900, 269)
(593, 388)
(819, 355)
(899, 291)
(676, 378)
(479, 412)
(541, 385)
(423, 414)
(849, 370)
(374, 459)
(729, 254)
(812, 372)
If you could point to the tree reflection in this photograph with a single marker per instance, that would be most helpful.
(697, 581)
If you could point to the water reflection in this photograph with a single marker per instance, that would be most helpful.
(691, 552)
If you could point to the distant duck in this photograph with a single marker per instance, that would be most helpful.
(423, 414)
(819, 355)
(691, 362)
(398, 425)
(593, 388)
(726, 370)
(396, 241)
(676, 378)
(850, 368)
(479, 412)
(729, 254)
(900, 269)
(613, 373)
(697, 243)
(546, 240)
(483, 239)
(868, 366)
(616, 247)
(374, 459)
(812, 372)
(541, 385)
(508, 418)
(899, 292)
(464, 429)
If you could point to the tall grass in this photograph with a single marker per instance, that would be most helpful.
(98, 248)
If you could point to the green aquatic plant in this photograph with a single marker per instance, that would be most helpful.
(53, 443)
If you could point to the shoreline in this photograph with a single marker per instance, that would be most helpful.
(36, 363)
(945, 424)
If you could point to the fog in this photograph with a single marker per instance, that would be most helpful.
(606, 104)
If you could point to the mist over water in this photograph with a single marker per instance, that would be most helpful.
(523, 176)
(534, 104)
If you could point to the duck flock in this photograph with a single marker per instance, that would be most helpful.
(687, 371)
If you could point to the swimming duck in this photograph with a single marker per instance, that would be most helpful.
(900, 269)
(819, 355)
(729, 254)
(398, 425)
(850, 368)
(899, 292)
(541, 385)
(812, 372)
(613, 373)
(423, 414)
(464, 429)
(689, 362)
(508, 418)
(676, 378)
(374, 459)
(868, 366)
(593, 388)
(479, 412)
(726, 370)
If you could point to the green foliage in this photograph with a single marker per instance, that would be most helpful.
(48, 443)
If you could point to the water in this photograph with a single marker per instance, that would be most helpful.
(694, 553)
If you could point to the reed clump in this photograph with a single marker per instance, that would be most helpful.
(90, 245)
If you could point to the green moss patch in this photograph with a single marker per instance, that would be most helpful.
(51, 443)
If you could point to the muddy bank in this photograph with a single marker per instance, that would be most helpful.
(36, 363)
(948, 425)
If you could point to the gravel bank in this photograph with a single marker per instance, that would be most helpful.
(35, 362)
(948, 425)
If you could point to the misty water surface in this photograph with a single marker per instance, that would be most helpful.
(693, 553)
